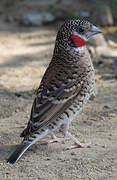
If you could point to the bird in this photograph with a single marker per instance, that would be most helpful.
(65, 88)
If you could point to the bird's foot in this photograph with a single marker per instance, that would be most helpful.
(55, 139)
(77, 144)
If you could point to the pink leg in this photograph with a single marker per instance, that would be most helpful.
(55, 139)
(76, 142)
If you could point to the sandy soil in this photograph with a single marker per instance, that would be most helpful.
(24, 56)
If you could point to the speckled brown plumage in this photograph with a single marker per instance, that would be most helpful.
(65, 87)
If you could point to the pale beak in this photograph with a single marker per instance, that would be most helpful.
(94, 30)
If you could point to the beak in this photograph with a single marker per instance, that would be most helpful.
(93, 30)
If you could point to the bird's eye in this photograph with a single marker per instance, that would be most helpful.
(81, 29)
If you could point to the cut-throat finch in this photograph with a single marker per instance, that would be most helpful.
(65, 88)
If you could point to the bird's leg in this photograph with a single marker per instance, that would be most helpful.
(54, 139)
(77, 143)
(63, 128)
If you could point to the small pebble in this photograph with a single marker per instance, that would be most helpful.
(103, 85)
(18, 94)
(106, 107)
(112, 115)
(93, 161)
(73, 153)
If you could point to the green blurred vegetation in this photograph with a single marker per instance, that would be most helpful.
(114, 6)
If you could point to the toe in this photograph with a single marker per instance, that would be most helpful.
(79, 145)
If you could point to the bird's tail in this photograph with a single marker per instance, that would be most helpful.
(19, 151)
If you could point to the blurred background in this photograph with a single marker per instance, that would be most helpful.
(28, 26)
(28, 29)
(27, 35)
(100, 12)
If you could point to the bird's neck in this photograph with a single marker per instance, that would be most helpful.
(80, 50)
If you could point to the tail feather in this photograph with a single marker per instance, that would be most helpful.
(26, 143)
(19, 151)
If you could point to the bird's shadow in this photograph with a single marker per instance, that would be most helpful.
(6, 150)
(42, 147)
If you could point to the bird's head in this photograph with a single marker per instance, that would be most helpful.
(75, 34)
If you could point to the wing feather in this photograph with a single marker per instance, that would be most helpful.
(55, 94)
(48, 106)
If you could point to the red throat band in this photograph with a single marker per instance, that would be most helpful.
(78, 41)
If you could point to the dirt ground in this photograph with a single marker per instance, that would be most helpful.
(24, 56)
